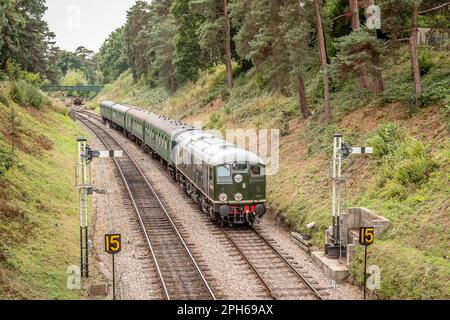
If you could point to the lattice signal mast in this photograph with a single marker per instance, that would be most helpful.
(83, 184)
(341, 151)
(83, 178)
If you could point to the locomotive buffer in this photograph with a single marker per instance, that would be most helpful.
(83, 180)
(336, 246)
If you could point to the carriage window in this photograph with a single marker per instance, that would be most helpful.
(240, 167)
(256, 171)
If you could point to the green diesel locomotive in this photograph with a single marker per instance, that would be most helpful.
(228, 183)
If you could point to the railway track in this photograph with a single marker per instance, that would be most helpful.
(279, 276)
(178, 271)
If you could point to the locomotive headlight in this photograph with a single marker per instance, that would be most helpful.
(238, 196)
(223, 197)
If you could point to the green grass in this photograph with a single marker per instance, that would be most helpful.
(406, 180)
(39, 205)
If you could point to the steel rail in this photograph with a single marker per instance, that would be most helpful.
(84, 120)
(252, 266)
(316, 293)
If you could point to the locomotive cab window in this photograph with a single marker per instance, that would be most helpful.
(256, 170)
(241, 167)
(223, 173)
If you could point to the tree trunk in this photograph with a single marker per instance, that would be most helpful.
(413, 53)
(377, 78)
(227, 44)
(323, 62)
(377, 85)
(353, 5)
(363, 80)
(302, 98)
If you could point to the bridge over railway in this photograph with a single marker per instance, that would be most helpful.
(90, 88)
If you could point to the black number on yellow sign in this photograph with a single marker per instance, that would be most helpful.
(113, 243)
(366, 236)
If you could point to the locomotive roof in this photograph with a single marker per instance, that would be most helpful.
(214, 150)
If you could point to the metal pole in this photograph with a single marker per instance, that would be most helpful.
(333, 204)
(114, 278)
(365, 271)
(337, 145)
(338, 209)
(83, 181)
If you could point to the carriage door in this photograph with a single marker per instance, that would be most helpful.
(210, 190)
(205, 178)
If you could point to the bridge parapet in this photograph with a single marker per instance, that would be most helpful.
(50, 88)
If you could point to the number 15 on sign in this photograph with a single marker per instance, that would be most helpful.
(366, 236)
(113, 243)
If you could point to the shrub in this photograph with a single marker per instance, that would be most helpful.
(284, 129)
(393, 189)
(58, 108)
(3, 76)
(413, 164)
(425, 60)
(436, 93)
(7, 159)
(386, 140)
(414, 171)
(4, 100)
(28, 95)
(214, 122)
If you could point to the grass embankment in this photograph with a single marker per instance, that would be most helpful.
(39, 234)
(407, 180)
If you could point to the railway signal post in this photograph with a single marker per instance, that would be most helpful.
(336, 246)
(83, 183)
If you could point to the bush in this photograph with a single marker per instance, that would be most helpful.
(58, 108)
(7, 159)
(425, 60)
(414, 171)
(28, 95)
(214, 122)
(393, 189)
(386, 140)
(413, 164)
(3, 76)
(436, 93)
(14, 72)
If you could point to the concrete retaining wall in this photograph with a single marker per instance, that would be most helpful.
(355, 218)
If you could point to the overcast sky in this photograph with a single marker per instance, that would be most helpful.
(85, 22)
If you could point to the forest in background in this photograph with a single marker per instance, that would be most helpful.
(283, 42)
(167, 43)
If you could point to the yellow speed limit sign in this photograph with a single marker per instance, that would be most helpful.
(366, 235)
(113, 243)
